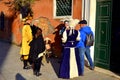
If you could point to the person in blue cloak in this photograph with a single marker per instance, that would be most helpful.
(70, 64)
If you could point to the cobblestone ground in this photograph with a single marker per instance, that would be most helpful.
(11, 68)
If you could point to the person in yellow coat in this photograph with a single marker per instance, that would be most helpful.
(26, 39)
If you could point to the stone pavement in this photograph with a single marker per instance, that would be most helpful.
(11, 68)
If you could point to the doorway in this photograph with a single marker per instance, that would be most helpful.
(115, 43)
(107, 40)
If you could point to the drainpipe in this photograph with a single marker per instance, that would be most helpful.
(86, 10)
(83, 9)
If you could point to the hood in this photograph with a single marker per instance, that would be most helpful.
(86, 29)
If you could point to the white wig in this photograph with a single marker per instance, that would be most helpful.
(73, 23)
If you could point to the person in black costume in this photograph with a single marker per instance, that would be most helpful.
(37, 46)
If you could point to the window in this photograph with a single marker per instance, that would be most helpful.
(62, 8)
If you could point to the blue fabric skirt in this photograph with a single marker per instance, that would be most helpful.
(70, 65)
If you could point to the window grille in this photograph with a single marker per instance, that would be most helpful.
(63, 8)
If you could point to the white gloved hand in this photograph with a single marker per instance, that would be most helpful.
(40, 54)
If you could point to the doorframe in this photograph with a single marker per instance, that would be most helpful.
(86, 10)
(89, 13)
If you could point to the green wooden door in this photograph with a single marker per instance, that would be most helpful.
(103, 33)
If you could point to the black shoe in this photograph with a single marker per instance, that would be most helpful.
(26, 67)
(92, 68)
(30, 67)
(34, 72)
(81, 74)
(38, 74)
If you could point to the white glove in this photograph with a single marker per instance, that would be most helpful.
(41, 54)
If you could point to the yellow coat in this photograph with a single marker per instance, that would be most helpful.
(26, 39)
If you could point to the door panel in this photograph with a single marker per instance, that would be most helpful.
(103, 33)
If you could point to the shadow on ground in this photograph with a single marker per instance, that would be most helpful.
(55, 64)
(5, 47)
(19, 77)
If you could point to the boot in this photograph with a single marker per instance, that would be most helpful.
(38, 74)
(25, 65)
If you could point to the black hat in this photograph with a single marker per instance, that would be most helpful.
(83, 22)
